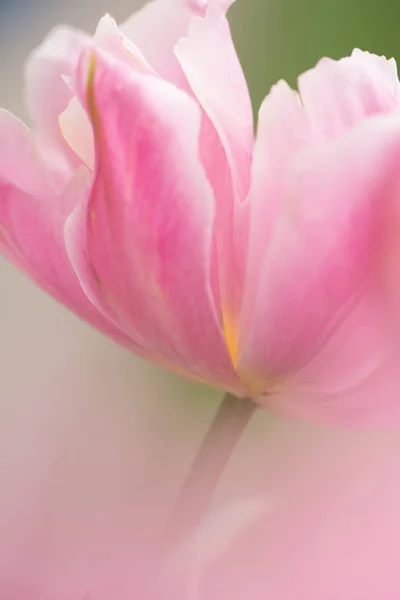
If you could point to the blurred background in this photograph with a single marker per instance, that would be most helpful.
(90, 435)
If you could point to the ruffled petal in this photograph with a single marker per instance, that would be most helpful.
(283, 130)
(157, 27)
(33, 210)
(338, 94)
(150, 218)
(324, 250)
(208, 58)
(48, 93)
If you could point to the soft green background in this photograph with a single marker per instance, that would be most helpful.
(281, 38)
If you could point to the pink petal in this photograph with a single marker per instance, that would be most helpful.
(77, 131)
(197, 34)
(373, 402)
(283, 130)
(210, 63)
(363, 342)
(157, 27)
(110, 38)
(338, 94)
(150, 218)
(33, 210)
(323, 252)
(48, 93)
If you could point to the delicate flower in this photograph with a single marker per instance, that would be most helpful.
(140, 202)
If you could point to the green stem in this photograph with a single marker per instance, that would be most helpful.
(214, 453)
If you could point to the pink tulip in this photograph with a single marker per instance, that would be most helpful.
(141, 203)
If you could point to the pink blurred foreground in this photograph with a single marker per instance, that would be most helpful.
(140, 201)
(302, 513)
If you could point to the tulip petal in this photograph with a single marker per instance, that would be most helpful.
(210, 63)
(150, 217)
(322, 256)
(33, 210)
(283, 130)
(338, 94)
(373, 402)
(77, 131)
(157, 27)
(195, 51)
(110, 38)
(364, 341)
(194, 46)
(48, 93)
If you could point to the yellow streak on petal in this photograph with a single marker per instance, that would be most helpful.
(231, 334)
(91, 96)
(255, 383)
(90, 83)
(95, 119)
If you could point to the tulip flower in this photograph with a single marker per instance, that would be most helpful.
(140, 200)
